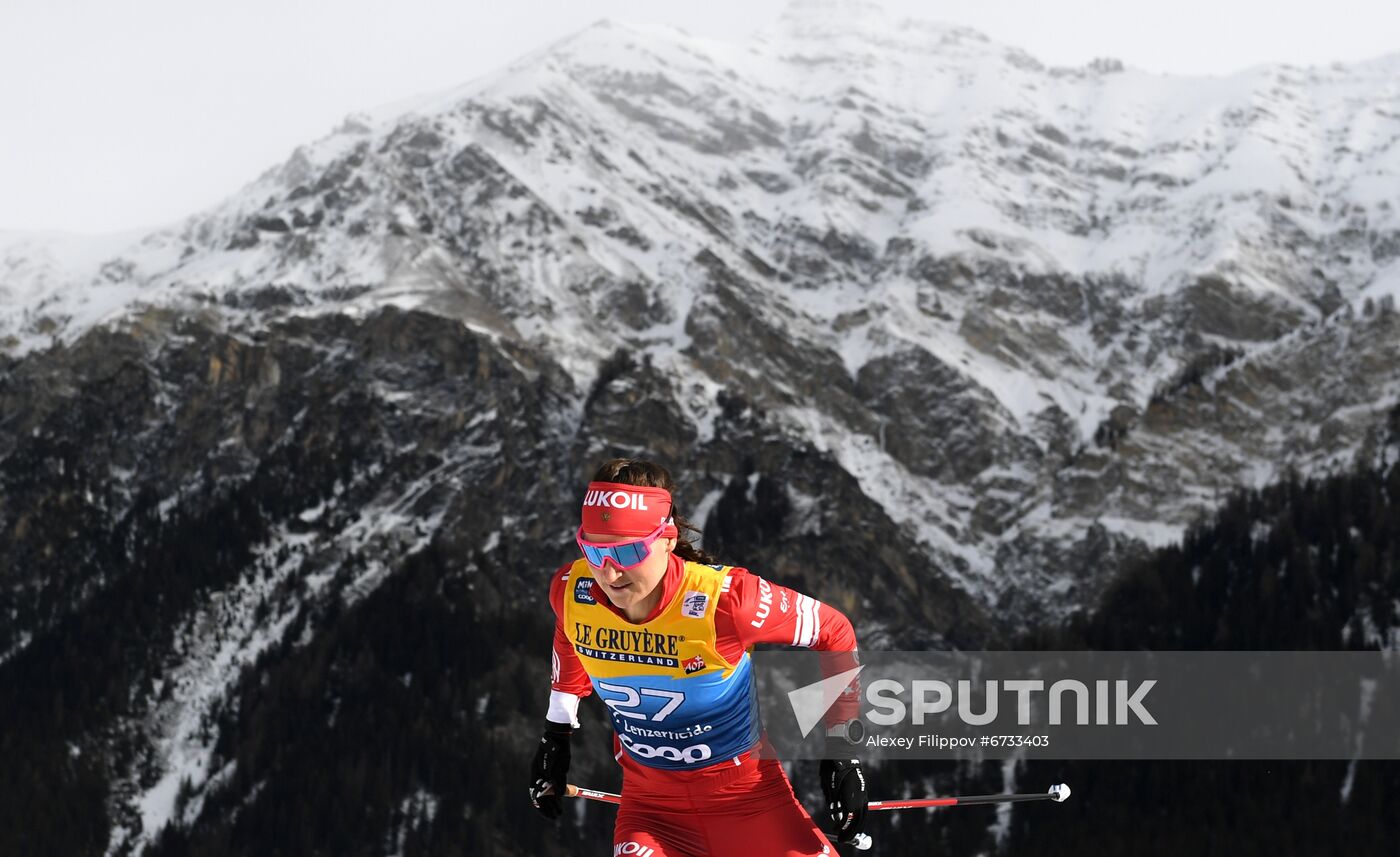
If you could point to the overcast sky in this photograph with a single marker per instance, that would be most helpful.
(118, 114)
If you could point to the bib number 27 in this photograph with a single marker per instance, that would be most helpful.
(632, 700)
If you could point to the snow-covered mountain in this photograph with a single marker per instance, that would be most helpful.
(862, 281)
(945, 263)
(949, 265)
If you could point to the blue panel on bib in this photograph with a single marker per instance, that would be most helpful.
(688, 722)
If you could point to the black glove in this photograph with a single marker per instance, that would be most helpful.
(843, 785)
(550, 767)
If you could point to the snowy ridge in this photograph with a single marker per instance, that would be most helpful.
(239, 624)
(216, 646)
(846, 214)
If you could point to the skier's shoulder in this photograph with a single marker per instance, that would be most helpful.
(557, 581)
(715, 569)
(735, 580)
(560, 575)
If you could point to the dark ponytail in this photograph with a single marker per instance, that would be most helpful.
(649, 474)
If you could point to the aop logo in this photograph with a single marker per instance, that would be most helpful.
(616, 500)
(636, 848)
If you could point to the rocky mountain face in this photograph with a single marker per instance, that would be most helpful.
(933, 331)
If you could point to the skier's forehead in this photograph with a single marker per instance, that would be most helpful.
(606, 538)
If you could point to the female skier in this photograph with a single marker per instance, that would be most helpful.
(663, 636)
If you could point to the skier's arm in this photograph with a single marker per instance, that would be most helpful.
(568, 679)
(764, 612)
(759, 611)
(568, 683)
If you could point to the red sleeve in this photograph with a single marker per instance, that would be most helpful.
(757, 611)
(566, 673)
(753, 610)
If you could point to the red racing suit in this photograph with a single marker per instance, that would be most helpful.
(701, 788)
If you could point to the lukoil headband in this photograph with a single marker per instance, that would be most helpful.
(616, 509)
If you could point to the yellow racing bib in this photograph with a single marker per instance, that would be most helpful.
(674, 702)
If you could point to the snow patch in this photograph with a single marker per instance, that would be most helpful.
(222, 638)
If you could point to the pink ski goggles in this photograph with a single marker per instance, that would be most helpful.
(624, 555)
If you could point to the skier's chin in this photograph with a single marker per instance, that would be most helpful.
(620, 596)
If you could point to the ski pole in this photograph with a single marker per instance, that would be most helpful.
(862, 842)
(1058, 793)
